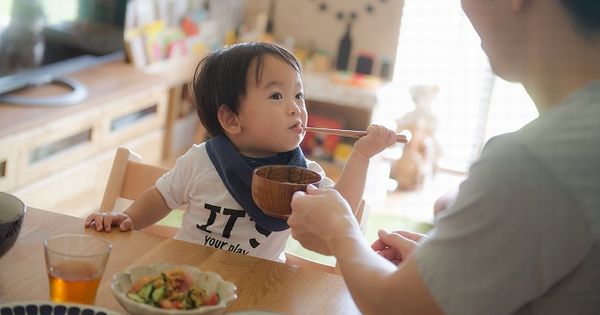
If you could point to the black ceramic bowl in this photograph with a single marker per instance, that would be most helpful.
(12, 211)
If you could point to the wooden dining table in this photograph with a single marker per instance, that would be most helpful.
(263, 285)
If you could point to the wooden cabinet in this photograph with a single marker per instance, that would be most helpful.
(8, 162)
(347, 106)
(60, 157)
(182, 128)
(77, 189)
(352, 106)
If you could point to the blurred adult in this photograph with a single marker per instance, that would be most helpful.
(523, 234)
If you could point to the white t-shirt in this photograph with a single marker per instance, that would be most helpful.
(523, 236)
(213, 218)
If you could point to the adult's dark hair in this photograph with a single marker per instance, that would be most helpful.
(220, 78)
(585, 14)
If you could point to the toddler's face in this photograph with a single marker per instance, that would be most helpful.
(272, 114)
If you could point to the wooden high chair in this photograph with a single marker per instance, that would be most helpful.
(130, 177)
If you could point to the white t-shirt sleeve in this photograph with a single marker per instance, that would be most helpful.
(174, 186)
(326, 182)
(511, 234)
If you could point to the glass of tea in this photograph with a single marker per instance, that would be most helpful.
(75, 264)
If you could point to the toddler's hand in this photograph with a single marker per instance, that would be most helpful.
(105, 220)
(377, 139)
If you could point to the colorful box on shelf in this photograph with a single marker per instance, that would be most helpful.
(355, 79)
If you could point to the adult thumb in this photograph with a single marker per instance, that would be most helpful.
(314, 190)
(297, 194)
(397, 242)
(311, 189)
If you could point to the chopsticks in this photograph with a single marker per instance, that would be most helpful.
(348, 133)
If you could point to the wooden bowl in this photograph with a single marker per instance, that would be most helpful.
(274, 185)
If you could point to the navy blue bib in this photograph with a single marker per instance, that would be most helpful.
(236, 170)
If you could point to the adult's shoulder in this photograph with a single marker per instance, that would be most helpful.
(503, 151)
(511, 202)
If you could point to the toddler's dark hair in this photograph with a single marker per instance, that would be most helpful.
(220, 78)
(585, 14)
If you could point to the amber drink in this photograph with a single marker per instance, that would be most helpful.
(75, 264)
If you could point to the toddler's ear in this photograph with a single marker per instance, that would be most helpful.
(228, 120)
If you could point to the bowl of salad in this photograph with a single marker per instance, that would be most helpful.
(167, 289)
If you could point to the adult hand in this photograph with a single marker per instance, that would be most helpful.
(396, 246)
(319, 215)
(377, 139)
(103, 221)
(444, 201)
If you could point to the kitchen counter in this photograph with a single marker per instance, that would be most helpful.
(105, 83)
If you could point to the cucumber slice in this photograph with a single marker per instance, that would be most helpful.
(158, 294)
(135, 297)
(145, 292)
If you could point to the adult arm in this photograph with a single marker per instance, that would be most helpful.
(513, 232)
(377, 285)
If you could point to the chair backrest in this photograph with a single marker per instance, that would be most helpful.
(130, 177)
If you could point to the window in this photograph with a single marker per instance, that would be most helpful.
(54, 11)
(438, 46)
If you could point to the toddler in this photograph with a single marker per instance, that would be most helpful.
(250, 99)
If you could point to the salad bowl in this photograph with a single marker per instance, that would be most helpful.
(138, 295)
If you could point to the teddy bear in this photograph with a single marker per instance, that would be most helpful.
(421, 152)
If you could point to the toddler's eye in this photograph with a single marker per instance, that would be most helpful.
(276, 96)
(300, 96)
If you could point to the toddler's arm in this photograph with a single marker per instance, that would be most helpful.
(146, 210)
(351, 183)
